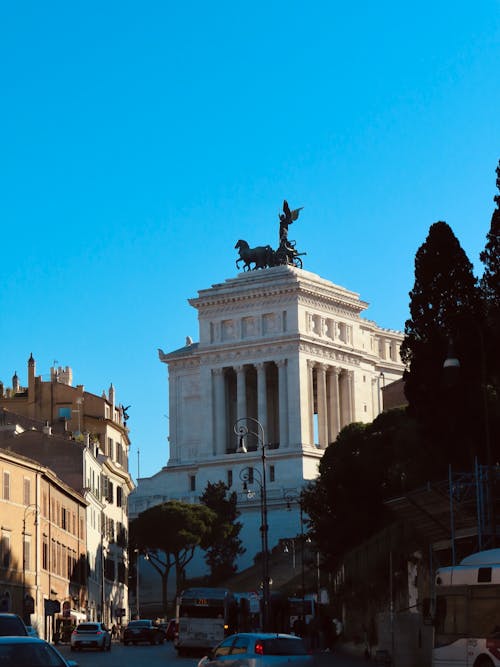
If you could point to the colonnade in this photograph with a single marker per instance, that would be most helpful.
(264, 390)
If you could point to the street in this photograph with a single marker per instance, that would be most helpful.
(166, 656)
(163, 655)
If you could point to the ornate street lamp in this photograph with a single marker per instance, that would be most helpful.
(292, 497)
(248, 476)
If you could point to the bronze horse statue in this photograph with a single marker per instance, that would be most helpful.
(262, 256)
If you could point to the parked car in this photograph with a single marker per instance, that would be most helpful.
(91, 635)
(143, 630)
(28, 651)
(259, 649)
(12, 624)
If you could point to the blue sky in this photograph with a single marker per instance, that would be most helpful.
(139, 141)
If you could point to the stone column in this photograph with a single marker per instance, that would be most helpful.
(262, 395)
(349, 397)
(220, 411)
(334, 403)
(241, 392)
(283, 402)
(322, 406)
(310, 381)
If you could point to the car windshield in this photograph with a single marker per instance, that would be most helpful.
(139, 624)
(87, 627)
(29, 655)
(11, 625)
(283, 646)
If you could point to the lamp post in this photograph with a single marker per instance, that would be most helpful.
(290, 498)
(451, 366)
(242, 431)
(35, 509)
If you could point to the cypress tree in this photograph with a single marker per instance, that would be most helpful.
(444, 320)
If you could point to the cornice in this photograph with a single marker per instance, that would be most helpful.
(268, 284)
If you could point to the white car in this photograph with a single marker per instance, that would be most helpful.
(259, 649)
(91, 635)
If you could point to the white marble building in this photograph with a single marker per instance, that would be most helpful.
(290, 349)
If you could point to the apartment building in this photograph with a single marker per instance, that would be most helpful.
(84, 438)
(42, 542)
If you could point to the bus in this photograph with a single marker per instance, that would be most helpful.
(467, 612)
(204, 617)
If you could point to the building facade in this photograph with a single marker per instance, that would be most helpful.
(84, 438)
(42, 543)
(284, 347)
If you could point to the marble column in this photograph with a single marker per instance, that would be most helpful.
(334, 403)
(262, 395)
(241, 392)
(310, 382)
(220, 411)
(283, 402)
(322, 406)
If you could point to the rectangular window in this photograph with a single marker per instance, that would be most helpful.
(6, 486)
(192, 482)
(110, 448)
(230, 478)
(5, 549)
(271, 474)
(45, 552)
(27, 491)
(63, 518)
(119, 496)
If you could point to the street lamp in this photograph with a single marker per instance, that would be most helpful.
(35, 509)
(242, 431)
(290, 498)
(451, 366)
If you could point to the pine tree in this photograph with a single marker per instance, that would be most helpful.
(224, 544)
(445, 316)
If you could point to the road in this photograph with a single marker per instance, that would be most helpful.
(130, 656)
(166, 656)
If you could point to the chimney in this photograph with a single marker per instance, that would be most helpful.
(47, 429)
(86, 439)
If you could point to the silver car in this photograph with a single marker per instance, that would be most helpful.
(91, 635)
(259, 649)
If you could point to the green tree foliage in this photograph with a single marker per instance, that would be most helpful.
(169, 533)
(490, 292)
(367, 464)
(225, 544)
(444, 312)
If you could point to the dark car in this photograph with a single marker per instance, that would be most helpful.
(12, 625)
(30, 651)
(143, 630)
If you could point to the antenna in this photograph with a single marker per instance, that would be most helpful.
(138, 463)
